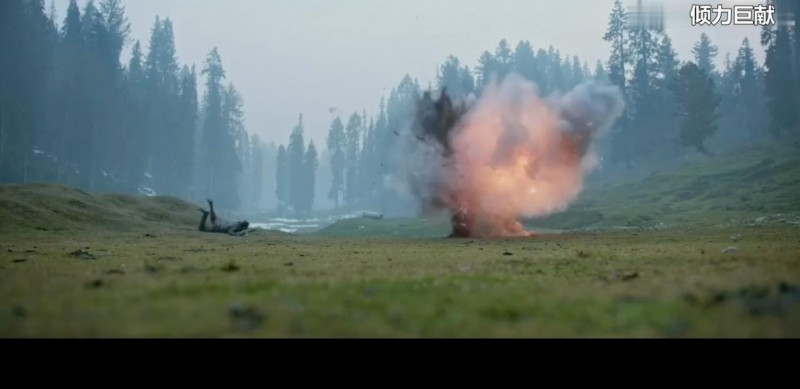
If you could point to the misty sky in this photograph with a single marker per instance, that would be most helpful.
(290, 56)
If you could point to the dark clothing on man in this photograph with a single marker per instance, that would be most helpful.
(217, 226)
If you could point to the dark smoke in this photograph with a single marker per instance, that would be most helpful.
(507, 155)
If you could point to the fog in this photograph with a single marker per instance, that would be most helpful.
(295, 109)
(290, 57)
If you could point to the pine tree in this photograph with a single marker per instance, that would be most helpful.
(232, 144)
(370, 161)
(782, 101)
(310, 164)
(257, 177)
(617, 36)
(705, 53)
(525, 62)
(353, 136)
(336, 148)
(456, 79)
(186, 132)
(504, 57)
(295, 154)
(663, 120)
(282, 179)
(378, 164)
(743, 107)
(72, 137)
(486, 69)
(134, 149)
(106, 32)
(642, 95)
(577, 72)
(600, 73)
(697, 104)
(214, 128)
(25, 41)
(622, 142)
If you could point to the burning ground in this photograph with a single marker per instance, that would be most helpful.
(509, 154)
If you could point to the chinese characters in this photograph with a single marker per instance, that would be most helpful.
(739, 15)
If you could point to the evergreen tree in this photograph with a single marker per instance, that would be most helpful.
(617, 36)
(697, 104)
(663, 120)
(782, 100)
(311, 163)
(577, 75)
(186, 132)
(600, 73)
(257, 176)
(336, 147)
(486, 69)
(215, 142)
(353, 136)
(295, 154)
(525, 62)
(642, 96)
(25, 34)
(134, 148)
(705, 53)
(71, 138)
(365, 159)
(456, 79)
(399, 107)
(504, 57)
(743, 106)
(282, 179)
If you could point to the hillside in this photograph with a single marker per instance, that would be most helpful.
(751, 186)
(46, 207)
(756, 186)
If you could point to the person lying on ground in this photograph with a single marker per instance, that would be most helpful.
(239, 228)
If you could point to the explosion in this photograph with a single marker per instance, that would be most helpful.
(508, 155)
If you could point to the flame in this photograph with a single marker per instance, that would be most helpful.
(517, 155)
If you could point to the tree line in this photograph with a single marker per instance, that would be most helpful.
(673, 108)
(73, 112)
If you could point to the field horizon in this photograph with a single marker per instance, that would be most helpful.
(721, 260)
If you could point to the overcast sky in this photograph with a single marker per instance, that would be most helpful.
(288, 57)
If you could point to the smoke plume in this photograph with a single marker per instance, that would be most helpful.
(507, 155)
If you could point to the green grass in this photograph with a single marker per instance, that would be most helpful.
(44, 207)
(79, 265)
(736, 189)
(733, 189)
(660, 284)
(399, 227)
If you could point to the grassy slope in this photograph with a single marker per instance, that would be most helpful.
(735, 188)
(154, 275)
(44, 207)
(732, 189)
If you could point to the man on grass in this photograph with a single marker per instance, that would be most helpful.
(239, 228)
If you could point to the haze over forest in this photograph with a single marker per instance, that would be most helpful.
(204, 98)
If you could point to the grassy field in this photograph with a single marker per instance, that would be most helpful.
(732, 189)
(664, 284)
(79, 265)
